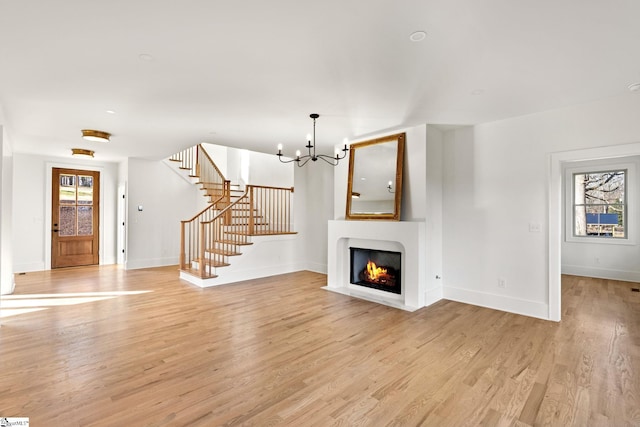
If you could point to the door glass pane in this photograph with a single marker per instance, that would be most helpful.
(67, 221)
(85, 220)
(67, 189)
(85, 190)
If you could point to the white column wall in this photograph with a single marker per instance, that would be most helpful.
(7, 283)
(318, 178)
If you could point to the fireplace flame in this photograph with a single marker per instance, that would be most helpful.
(374, 272)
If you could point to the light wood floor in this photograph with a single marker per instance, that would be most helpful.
(282, 351)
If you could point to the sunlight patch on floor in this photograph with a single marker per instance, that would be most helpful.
(13, 305)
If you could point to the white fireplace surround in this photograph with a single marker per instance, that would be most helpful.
(406, 237)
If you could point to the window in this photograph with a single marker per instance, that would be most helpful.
(600, 204)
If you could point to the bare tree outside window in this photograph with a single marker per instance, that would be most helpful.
(600, 204)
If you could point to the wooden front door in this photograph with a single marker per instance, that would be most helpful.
(75, 208)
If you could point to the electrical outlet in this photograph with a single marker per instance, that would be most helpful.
(502, 283)
(534, 227)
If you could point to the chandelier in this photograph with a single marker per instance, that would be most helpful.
(311, 144)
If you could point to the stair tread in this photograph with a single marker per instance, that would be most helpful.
(233, 242)
(262, 233)
(216, 264)
(223, 252)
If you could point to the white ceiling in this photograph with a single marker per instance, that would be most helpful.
(247, 73)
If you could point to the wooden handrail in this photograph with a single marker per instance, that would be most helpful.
(270, 187)
(228, 208)
(211, 206)
(211, 161)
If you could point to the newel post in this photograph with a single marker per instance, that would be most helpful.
(226, 188)
(183, 258)
(251, 209)
(196, 168)
(201, 260)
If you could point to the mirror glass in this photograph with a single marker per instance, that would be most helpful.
(374, 189)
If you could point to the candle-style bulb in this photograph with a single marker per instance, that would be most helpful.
(279, 147)
(298, 154)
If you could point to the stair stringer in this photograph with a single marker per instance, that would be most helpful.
(267, 256)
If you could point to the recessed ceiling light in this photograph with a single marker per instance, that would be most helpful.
(110, 112)
(634, 87)
(417, 36)
(145, 57)
(81, 152)
(95, 135)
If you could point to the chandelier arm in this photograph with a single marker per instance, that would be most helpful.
(285, 161)
(303, 163)
(333, 161)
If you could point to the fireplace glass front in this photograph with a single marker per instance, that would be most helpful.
(376, 269)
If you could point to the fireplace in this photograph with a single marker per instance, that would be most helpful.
(376, 269)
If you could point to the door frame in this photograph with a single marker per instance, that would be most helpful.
(47, 207)
(556, 205)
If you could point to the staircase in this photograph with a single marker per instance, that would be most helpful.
(218, 233)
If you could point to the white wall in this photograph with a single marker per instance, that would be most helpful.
(496, 184)
(32, 209)
(218, 154)
(153, 234)
(266, 169)
(317, 186)
(250, 167)
(234, 167)
(6, 185)
(433, 212)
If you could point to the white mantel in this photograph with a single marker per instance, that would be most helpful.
(406, 237)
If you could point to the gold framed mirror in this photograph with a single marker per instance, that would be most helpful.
(374, 190)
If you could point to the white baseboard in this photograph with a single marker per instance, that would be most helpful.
(241, 275)
(25, 268)
(498, 302)
(150, 262)
(433, 295)
(601, 273)
(316, 267)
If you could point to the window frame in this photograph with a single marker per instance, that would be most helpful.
(623, 203)
(630, 195)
